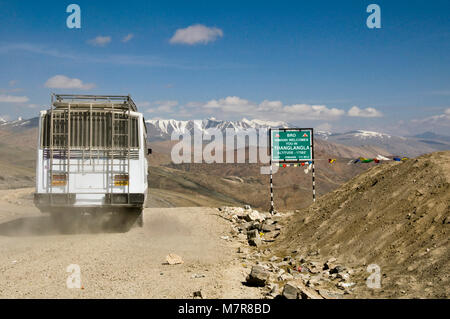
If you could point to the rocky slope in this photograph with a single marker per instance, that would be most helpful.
(396, 216)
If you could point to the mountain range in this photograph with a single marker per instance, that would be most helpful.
(159, 130)
(162, 130)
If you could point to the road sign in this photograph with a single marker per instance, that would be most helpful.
(291, 145)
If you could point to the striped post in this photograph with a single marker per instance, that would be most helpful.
(313, 182)
(271, 190)
(312, 163)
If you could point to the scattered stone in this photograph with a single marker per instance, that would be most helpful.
(254, 239)
(274, 258)
(173, 259)
(273, 289)
(343, 276)
(329, 295)
(198, 276)
(345, 285)
(258, 277)
(254, 225)
(198, 295)
(254, 215)
(336, 270)
(285, 277)
(242, 250)
(268, 228)
(290, 291)
(247, 207)
(313, 253)
(296, 289)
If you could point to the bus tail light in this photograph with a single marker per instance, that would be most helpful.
(59, 179)
(121, 180)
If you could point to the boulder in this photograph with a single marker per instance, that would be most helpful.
(254, 215)
(336, 270)
(290, 291)
(173, 259)
(297, 288)
(254, 239)
(258, 277)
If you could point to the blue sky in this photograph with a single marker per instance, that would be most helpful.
(311, 63)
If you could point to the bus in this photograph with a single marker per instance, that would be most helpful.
(91, 160)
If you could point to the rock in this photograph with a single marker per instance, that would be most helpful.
(345, 285)
(258, 277)
(242, 250)
(198, 295)
(329, 264)
(254, 215)
(314, 281)
(336, 270)
(298, 289)
(285, 277)
(241, 236)
(274, 258)
(329, 295)
(173, 259)
(273, 290)
(254, 225)
(290, 292)
(247, 207)
(198, 276)
(313, 253)
(268, 228)
(343, 276)
(254, 239)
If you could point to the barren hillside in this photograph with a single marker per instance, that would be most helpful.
(396, 216)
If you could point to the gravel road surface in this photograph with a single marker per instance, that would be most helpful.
(34, 256)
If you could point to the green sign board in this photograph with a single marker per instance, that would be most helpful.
(291, 145)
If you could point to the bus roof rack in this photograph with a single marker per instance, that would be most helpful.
(117, 102)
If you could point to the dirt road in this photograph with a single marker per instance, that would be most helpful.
(34, 256)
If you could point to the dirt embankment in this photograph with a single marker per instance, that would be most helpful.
(394, 215)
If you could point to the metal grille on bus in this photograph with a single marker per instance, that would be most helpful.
(90, 133)
(86, 154)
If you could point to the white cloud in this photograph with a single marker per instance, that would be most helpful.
(313, 112)
(13, 99)
(367, 112)
(435, 120)
(161, 106)
(196, 33)
(271, 109)
(100, 41)
(128, 37)
(64, 82)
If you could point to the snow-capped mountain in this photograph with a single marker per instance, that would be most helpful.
(399, 145)
(322, 134)
(19, 123)
(163, 129)
(368, 134)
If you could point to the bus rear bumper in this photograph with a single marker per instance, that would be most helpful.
(45, 201)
